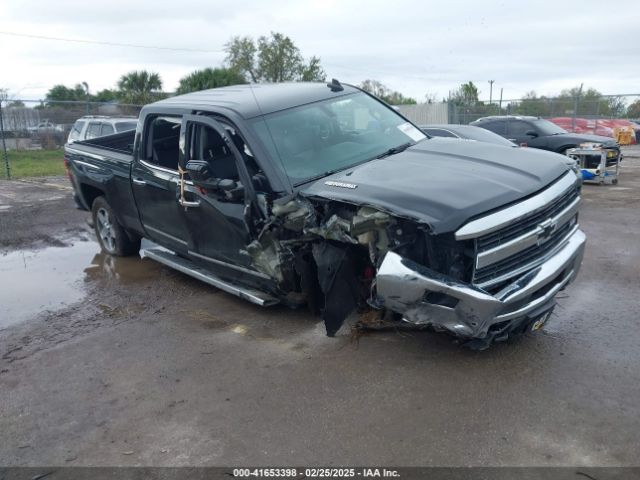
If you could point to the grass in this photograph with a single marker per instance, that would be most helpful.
(33, 163)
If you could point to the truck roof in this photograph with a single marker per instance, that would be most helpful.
(252, 100)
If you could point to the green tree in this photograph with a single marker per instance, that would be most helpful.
(392, 97)
(275, 58)
(105, 95)
(312, 71)
(61, 93)
(209, 78)
(467, 94)
(241, 56)
(590, 102)
(617, 106)
(140, 87)
(633, 111)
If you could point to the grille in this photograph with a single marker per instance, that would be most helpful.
(528, 223)
(522, 258)
(530, 255)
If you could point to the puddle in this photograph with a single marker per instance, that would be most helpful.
(51, 278)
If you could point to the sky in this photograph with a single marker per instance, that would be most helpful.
(416, 47)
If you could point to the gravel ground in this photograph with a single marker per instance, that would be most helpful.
(134, 364)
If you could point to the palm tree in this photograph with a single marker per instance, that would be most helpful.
(140, 87)
(209, 78)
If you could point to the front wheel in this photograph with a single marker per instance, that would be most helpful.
(112, 237)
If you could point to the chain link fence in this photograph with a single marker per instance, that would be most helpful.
(45, 125)
(605, 107)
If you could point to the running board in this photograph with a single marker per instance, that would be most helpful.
(186, 266)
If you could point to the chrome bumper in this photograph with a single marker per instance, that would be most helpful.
(403, 285)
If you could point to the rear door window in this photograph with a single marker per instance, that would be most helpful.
(517, 128)
(496, 126)
(93, 130)
(162, 142)
(106, 129)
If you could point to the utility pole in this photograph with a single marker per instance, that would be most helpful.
(86, 91)
(4, 144)
(500, 105)
(491, 91)
(575, 107)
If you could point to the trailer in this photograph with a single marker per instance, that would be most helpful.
(598, 165)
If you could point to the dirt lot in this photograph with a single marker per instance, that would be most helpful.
(124, 362)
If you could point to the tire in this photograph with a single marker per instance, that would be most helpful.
(112, 237)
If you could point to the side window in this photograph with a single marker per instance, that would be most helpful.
(496, 126)
(93, 130)
(208, 145)
(517, 128)
(74, 134)
(162, 142)
(106, 129)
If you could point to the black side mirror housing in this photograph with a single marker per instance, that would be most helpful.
(198, 170)
(531, 133)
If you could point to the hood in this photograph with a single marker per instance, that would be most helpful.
(586, 138)
(443, 184)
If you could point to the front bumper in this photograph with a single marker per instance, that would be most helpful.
(404, 286)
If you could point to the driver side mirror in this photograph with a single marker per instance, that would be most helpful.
(198, 170)
(201, 176)
(531, 133)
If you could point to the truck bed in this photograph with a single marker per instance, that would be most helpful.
(118, 142)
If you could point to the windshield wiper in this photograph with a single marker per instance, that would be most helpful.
(320, 175)
(394, 150)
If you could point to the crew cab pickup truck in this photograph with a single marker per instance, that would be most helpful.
(321, 194)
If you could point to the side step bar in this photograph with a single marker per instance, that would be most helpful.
(186, 266)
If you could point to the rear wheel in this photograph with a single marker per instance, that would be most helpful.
(112, 237)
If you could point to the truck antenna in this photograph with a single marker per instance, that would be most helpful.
(335, 85)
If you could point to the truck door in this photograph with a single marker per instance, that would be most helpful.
(217, 224)
(155, 183)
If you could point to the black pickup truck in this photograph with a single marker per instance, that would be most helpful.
(320, 194)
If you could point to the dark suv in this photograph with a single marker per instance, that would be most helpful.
(536, 132)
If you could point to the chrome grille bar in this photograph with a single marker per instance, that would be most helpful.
(504, 217)
(539, 234)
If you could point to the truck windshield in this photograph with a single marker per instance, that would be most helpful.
(314, 140)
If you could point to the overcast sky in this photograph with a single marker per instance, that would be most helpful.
(416, 47)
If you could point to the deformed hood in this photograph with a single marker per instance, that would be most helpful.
(443, 184)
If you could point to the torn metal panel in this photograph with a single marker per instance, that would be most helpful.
(295, 214)
(336, 228)
(266, 256)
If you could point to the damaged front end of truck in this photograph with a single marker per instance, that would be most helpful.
(489, 279)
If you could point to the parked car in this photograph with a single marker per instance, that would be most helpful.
(45, 127)
(537, 132)
(91, 126)
(322, 194)
(469, 132)
(466, 132)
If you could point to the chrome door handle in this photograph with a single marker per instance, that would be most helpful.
(188, 204)
(139, 181)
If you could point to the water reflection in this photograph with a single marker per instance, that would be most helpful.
(32, 282)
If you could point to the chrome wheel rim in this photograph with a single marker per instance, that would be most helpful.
(105, 230)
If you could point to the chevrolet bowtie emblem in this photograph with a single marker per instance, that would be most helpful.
(545, 229)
